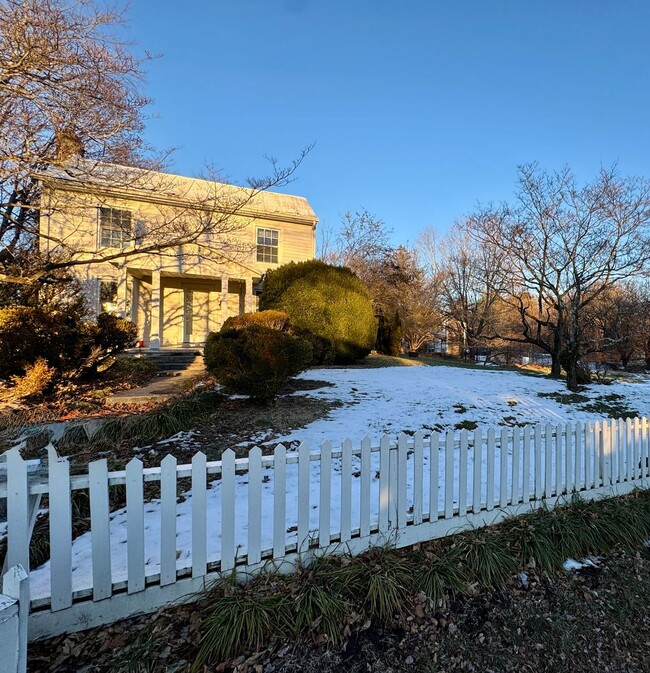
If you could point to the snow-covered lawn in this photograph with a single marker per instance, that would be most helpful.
(394, 399)
(376, 401)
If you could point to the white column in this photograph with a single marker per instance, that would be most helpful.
(155, 334)
(224, 299)
(122, 293)
(248, 297)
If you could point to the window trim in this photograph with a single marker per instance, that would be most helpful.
(267, 247)
(126, 236)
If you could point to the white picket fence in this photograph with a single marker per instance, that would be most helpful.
(245, 514)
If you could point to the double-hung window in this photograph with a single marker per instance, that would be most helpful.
(115, 227)
(267, 246)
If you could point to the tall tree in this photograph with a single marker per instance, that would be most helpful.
(564, 245)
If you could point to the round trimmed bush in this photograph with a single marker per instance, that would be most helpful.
(273, 319)
(255, 360)
(328, 301)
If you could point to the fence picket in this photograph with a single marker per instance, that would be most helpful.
(254, 505)
(384, 483)
(589, 455)
(449, 474)
(17, 511)
(199, 515)
(579, 455)
(135, 525)
(548, 465)
(525, 487)
(462, 474)
(629, 448)
(516, 449)
(599, 459)
(645, 449)
(100, 532)
(346, 490)
(402, 452)
(620, 448)
(477, 470)
(418, 475)
(325, 500)
(503, 469)
(637, 450)
(568, 455)
(490, 469)
(279, 500)
(434, 476)
(60, 535)
(559, 483)
(168, 495)
(392, 487)
(364, 491)
(228, 550)
(304, 479)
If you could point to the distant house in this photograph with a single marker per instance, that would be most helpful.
(176, 255)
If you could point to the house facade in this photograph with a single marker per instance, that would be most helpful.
(175, 255)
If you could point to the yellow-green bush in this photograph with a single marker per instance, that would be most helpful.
(329, 302)
(255, 360)
(35, 381)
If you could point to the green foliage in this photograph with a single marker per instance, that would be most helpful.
(328, 301)
(240, 620)
(278, 320)
(60, 335)
(114, 334)
(487, 560)
(255, 360)
(439, 571)
(389, 335)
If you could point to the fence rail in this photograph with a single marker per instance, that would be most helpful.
(185, 524)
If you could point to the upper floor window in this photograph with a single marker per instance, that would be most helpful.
(267, 246)
(114, 227)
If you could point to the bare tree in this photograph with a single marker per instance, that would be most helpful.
(360, 243)
(564, 246)
(622, 318)
(70, 104)
(470, 274)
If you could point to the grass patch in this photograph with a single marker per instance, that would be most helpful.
(466, 425)
(565, 398)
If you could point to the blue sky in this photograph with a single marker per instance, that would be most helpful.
(419, 109)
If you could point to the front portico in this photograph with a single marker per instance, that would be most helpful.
(174, 309)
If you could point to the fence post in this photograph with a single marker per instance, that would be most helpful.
(13, 649)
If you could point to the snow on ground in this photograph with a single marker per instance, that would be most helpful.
(383, 400)
(393, 399)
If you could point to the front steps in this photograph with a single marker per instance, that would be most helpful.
(171, 361)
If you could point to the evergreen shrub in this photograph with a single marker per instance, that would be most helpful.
(255, 360)
(327, 301)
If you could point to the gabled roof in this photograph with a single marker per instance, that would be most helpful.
(88, 175)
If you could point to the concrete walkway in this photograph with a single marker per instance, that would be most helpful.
(160, 389)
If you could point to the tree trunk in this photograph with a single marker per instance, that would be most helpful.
(556, 367)
(572, 375)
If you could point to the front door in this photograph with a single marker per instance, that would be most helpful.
(196, 314)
